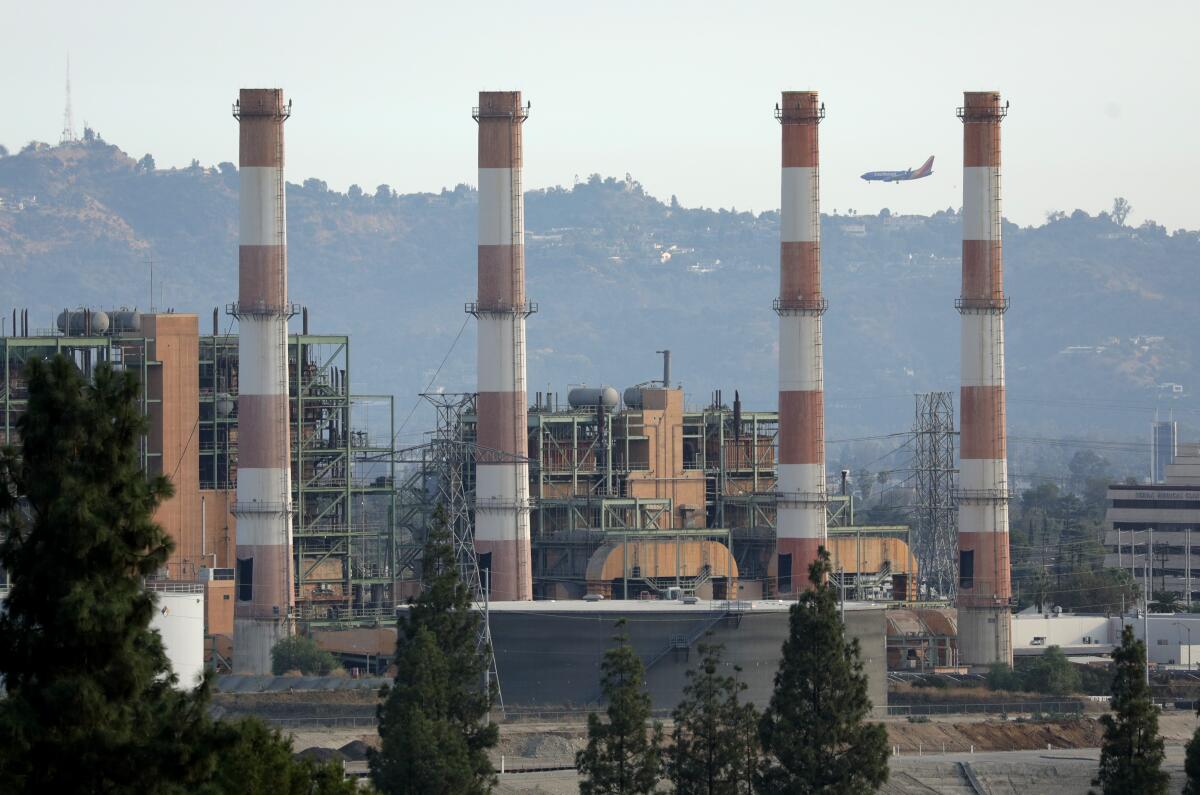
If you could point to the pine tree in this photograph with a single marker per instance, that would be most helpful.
(814, 732)
(258, 760)
(432, 721)
(715, 748)
(1191, 765)
(92, 704)
(622, 756)
(1132, 754)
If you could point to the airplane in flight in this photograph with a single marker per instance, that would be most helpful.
(900, 176)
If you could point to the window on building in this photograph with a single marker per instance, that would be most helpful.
(966, 569)
(245, 579)
(1162, 641)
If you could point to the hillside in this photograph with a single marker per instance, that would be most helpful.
(1103, 315)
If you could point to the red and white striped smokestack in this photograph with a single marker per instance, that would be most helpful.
(984, 586)
(800, 491)
(502, 469)
(262, 612)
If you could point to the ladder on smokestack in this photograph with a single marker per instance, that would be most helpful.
(278, 318)
(520, 484)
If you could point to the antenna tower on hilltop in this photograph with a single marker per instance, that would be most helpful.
(68, 131)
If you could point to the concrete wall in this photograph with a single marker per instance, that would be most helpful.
(1063, 630)
(552, 660)
(173, 340)
(1169, 636)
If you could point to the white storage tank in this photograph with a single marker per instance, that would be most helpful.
(179, 618)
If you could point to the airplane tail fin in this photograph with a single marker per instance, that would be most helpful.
(926, 168)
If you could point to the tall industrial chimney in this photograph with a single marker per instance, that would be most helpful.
(984, 587)
(262, 612)
(502, 469)
(800, 492)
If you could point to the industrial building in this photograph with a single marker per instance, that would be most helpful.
(635, 496)
(341, 455)
(292, 504)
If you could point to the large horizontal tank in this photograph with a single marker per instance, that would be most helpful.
(582, 397)
(633, 397)
(125, 320)
(82, 321)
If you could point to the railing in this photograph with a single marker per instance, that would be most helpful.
(978, 305)
(1059, 707)
(171, 586)
(240, 508)
(815, 305)
(524, 310)
(262, 309)
(329, 721)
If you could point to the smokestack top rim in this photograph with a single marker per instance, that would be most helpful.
(982, 106)
(262, 102)
(500, 105)
(800, 107)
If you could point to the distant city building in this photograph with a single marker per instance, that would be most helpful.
(1170, 512)
(1164, 438)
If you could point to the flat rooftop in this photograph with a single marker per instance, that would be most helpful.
(657, 606)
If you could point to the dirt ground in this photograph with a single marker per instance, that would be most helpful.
(1017, 754)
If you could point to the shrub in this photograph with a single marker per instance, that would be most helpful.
(300, 653)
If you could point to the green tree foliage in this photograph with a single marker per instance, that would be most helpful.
(1120, 210)
(1191, 765)
(91, 700)
(715, 750)
(814, 731)
(92, 704)
(300, 653)
(1056, 547)
(1132, 755)
(1164, 602)
(432, 719)
(1051, 673)
(258, 760)
(1001, 676)
(623, 755)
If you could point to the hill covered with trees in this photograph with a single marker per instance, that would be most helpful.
(1101, 330)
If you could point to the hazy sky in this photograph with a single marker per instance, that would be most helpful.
(678, 94)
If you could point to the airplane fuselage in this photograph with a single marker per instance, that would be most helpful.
(901, 176)
(888, 176)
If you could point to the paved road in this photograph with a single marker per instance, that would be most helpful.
(1063, 772)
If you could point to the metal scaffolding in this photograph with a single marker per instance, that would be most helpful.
(343, 474)
(936, 511)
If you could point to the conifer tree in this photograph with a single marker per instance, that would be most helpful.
(92, 704)
(432, 721)
(715, 750)
(1132, 754)
(1191, 765)
(623, 754)
(814, 732)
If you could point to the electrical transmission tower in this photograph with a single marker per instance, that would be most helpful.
(936, 538)
(453, 458)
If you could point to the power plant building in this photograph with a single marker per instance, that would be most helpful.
(341, 458)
